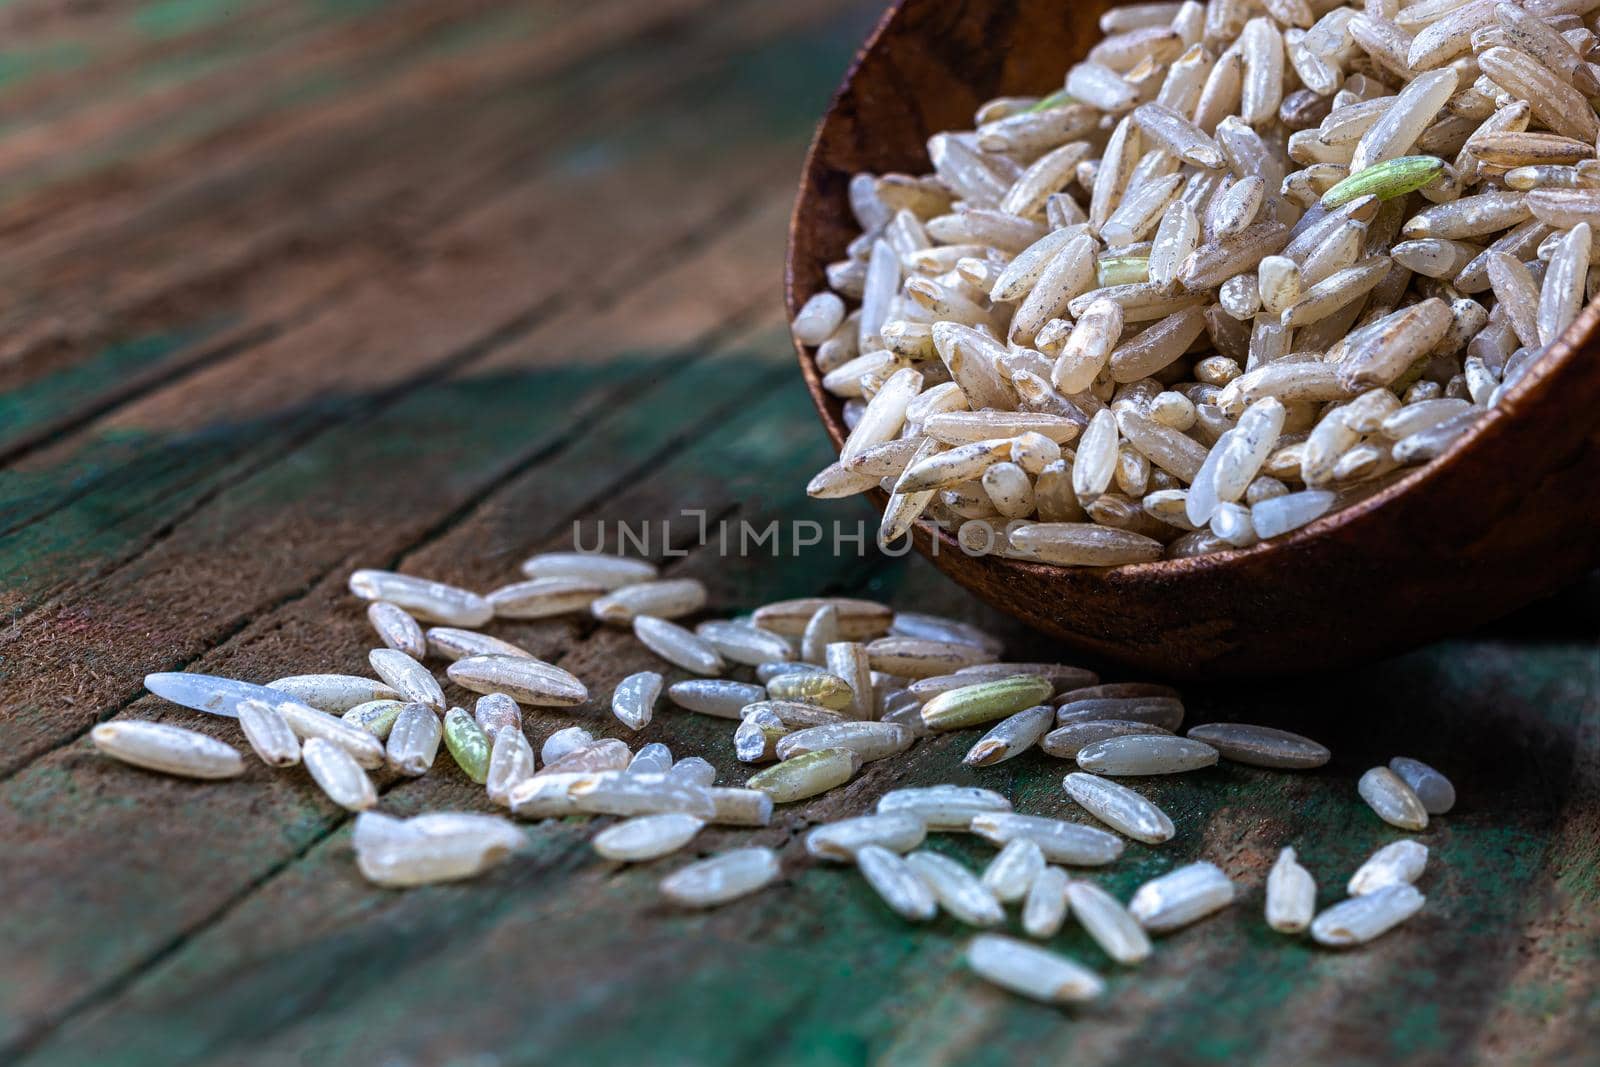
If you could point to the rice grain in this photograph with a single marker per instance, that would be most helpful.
(721, 697)
(742, 644)
(1045, 907)
(308, 722)
(427, 600)
(1361, 919)
(510, 763)
(608, 572)
(1063, 842)
(413, 741)
(375, 716)
(647, 837)
(397, 629)
(677, 645)
(522, 678)
(807, 775)
(1400, 863)
(269, 733)
(1433, 789)
(338, 775)
(663, 599)
(448, 642)
(740, 807)
(842, 840)
(1392, 799)
(1011, 737)
(1119, 808)
(1031, 971)
(208, 693)
(1291, 895)
(1011, 873)
(1142, 754)
(868, 740)
(629, 794)
(897, 883)
(943, 807)
(1261, 746)
(1181, 897)
(334, 693)
(633, 702)
(413, 682)
(984, 702)
(1104, 918)
(159, 746)
(468, 745)
(439, 847)
(958, 890)
(722, 878)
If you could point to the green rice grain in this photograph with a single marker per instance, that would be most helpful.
(1386, 180)
(468, 744)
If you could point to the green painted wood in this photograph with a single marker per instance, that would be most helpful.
(387, 399)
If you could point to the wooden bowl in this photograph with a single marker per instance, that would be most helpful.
(1509, 514)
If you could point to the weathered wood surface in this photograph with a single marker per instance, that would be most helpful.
(295, 288)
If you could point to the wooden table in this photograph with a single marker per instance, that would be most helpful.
(293, 288)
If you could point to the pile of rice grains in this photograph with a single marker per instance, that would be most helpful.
(824, 686)
(1251, 262)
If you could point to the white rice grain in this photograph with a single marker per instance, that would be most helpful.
(842, 840)
(522, 678)
(943, 807)
(1181, 897)
(563, 742)
(159, 746)
(722, 878)
(397, 629)
(1069, 843)
(1291, 895)
(1031, 971)
(427, 600)
(334, 693)
(1392, 799)
(1400, 863)
(413, 682)
(664, 599)
(1361, 919)
(1045, 908)
(1104, 918)
(269, 733)
(414, 740)
(338, 775)
(1119, 807)
(510, 763)
(633, 701)
(1143, 754)
(1011, 873)
(897, 883)
(958, 890)
(541, 598)
(818, 318)
(609, 572)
